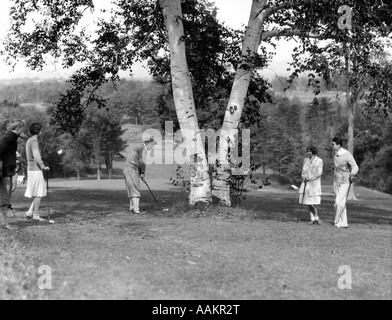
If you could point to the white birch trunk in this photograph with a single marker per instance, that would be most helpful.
(251, 43)
(351, 100)
(184, 103)
(351, 109)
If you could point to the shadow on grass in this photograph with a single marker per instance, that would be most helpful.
(76, 205)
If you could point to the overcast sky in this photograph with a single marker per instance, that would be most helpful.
(234, 13)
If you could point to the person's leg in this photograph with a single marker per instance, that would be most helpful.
(135, 190)
(3, 205)
(36, 204)
(10, 211)
(4, 199)
(312, 217)
(29, 213)
(131, 206)
(340, 205)
(343, 218)
(316, 217)
(136, 204)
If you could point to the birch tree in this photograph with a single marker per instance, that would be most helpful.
(184, 103)
(135, 25)
(311, 23)
(348, 42)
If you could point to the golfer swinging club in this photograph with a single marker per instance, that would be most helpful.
(345, 169)
(134, 171)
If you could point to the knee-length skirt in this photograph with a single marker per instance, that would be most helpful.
(36, 186)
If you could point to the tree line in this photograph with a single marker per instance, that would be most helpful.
(290, 126)
(202, 63)
(281, 129)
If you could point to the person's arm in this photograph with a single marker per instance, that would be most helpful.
(304, 173)
(142, 164)
(319, 170)
(352, 164)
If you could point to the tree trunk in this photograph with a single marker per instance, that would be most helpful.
(97, 152)
(251, 43)
(184, 103)
(109, 165)
(351, 106)
(351, 109)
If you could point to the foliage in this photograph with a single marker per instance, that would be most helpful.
(290, 126)
(76, 154)
(32, 92)
(77, 150)
(102, 131)
(350, 53)
(181, 180)
(373, 153)
(134, 99)
(379, 99)
(133, 31)
(239, 184)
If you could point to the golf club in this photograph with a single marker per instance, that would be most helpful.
(348, 191)
(160, 208)
(303, 196)
(47, 195)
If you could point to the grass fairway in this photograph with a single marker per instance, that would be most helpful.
(264, 249)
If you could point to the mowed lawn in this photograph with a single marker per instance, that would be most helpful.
(263, 249)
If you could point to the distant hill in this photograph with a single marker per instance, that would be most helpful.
(17, 81)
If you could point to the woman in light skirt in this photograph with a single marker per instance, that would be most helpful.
(36, 187)
(310, 191)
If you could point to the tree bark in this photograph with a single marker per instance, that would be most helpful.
(251, 43)
(351, 109)
(351, 99)
(184, 103)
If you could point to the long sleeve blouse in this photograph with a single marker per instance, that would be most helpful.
(344, 165)
(33, 155)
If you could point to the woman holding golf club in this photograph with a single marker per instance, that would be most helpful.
(134, 171)
(345, 169)
(36, 187)
(310, 190)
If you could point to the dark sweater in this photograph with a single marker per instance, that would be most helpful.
(135, 158)
(8, 147)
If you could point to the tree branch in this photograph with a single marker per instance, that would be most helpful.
(290, 33)
(284, 5)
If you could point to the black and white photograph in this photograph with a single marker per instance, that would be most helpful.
(195, 156)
